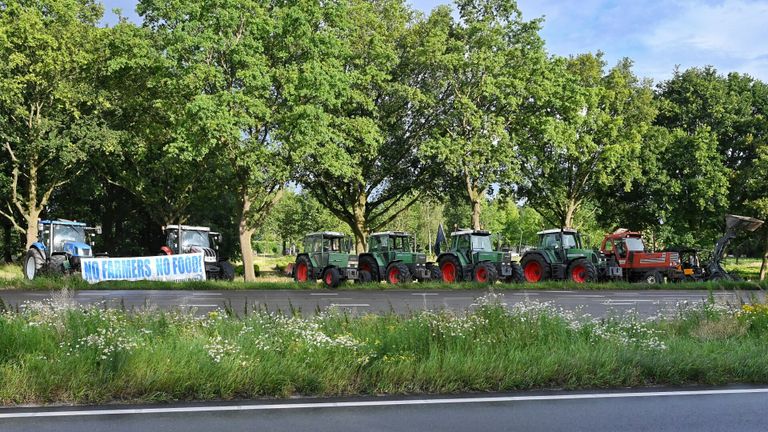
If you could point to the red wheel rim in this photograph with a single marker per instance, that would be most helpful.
(328, 278)
(481, 274)
(301, 272)
(394, 275)
(579, 274)
(532, 271)
(449, 272)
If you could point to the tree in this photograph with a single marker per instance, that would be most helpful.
(488, 64)
(757, 185)
(48, 107)
(362, 159)
(585, 131)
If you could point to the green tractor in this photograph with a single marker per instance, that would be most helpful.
(561, 256)
(391, 257)
(471, 257)
(327, 256)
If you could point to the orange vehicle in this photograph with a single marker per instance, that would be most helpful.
(628, 259)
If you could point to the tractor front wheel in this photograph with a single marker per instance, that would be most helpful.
(653, 277)
(582, 271)
(398, 273)
(363, 276)
(485, 272)
(435, 274)
(56, 265)
(517, 275)
(332, 277)
(226, 271)
(535, 268)
(303, 270)
(450, 268)
(33, 262)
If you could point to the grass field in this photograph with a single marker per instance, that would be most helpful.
(60, 353)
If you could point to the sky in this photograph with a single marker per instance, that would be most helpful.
(731, 35)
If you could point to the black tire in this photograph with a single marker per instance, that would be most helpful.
(331, 277)
(363, 276)
(55, 265)
(531, 260)
(369, 263)
(451, 261)
(517, 274)
(226, 271)
(398, 273)
(34, 259)
(435, 274)
(652, 277)
(299, 276)
(485, 272)
(582, 271)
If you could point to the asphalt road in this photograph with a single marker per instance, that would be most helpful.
(701, 411)
(596, 303)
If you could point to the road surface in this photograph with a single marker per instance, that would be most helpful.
(596, 303)
(689, 410)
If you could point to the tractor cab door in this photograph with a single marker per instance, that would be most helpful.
(463, 245)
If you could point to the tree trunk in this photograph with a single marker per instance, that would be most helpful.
(570, 211)
(7, 242)
(32, 217)
(474, 199)
(764, 265)
(476, 209)
(359, 225)
(245, 236)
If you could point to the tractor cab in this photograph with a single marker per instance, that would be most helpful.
(559, 239)
(181, 239)
(61, 236)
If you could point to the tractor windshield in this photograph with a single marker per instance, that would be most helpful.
(481, 243)
(634, 244)
(402, 244)
(67, 233)
(195, 238)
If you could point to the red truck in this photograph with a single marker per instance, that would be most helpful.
(628, 260)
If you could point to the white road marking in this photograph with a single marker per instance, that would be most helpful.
(354, 404)
(323, 294)
(424, 294)
(618, 303)
(351, 305)
(201, 305)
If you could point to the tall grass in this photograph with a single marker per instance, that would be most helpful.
(59, 352)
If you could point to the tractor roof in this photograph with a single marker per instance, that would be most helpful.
(331, 234)
(472, 232)
(624, 233)
(391, 234)
(62, 222)
(188, 228)
(557, 230)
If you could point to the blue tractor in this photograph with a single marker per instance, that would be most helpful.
(60, 246)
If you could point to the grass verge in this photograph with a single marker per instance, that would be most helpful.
(76, 283)
(61, 353)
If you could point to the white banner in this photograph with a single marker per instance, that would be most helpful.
(182, 267)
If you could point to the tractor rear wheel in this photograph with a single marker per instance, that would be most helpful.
(581, 271)
(370, 265)
(517, 274)
(450, 268)
(332, 277)
(535, 268)
(398, 273)
(33, 262)
(653, 277)
(435, 274)
(303, 270)
(226, 271)
(485, 272)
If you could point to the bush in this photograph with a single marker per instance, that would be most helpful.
(240, 270)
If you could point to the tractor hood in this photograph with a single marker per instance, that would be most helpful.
(411, 258)
(492, 256)
(77, 249)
